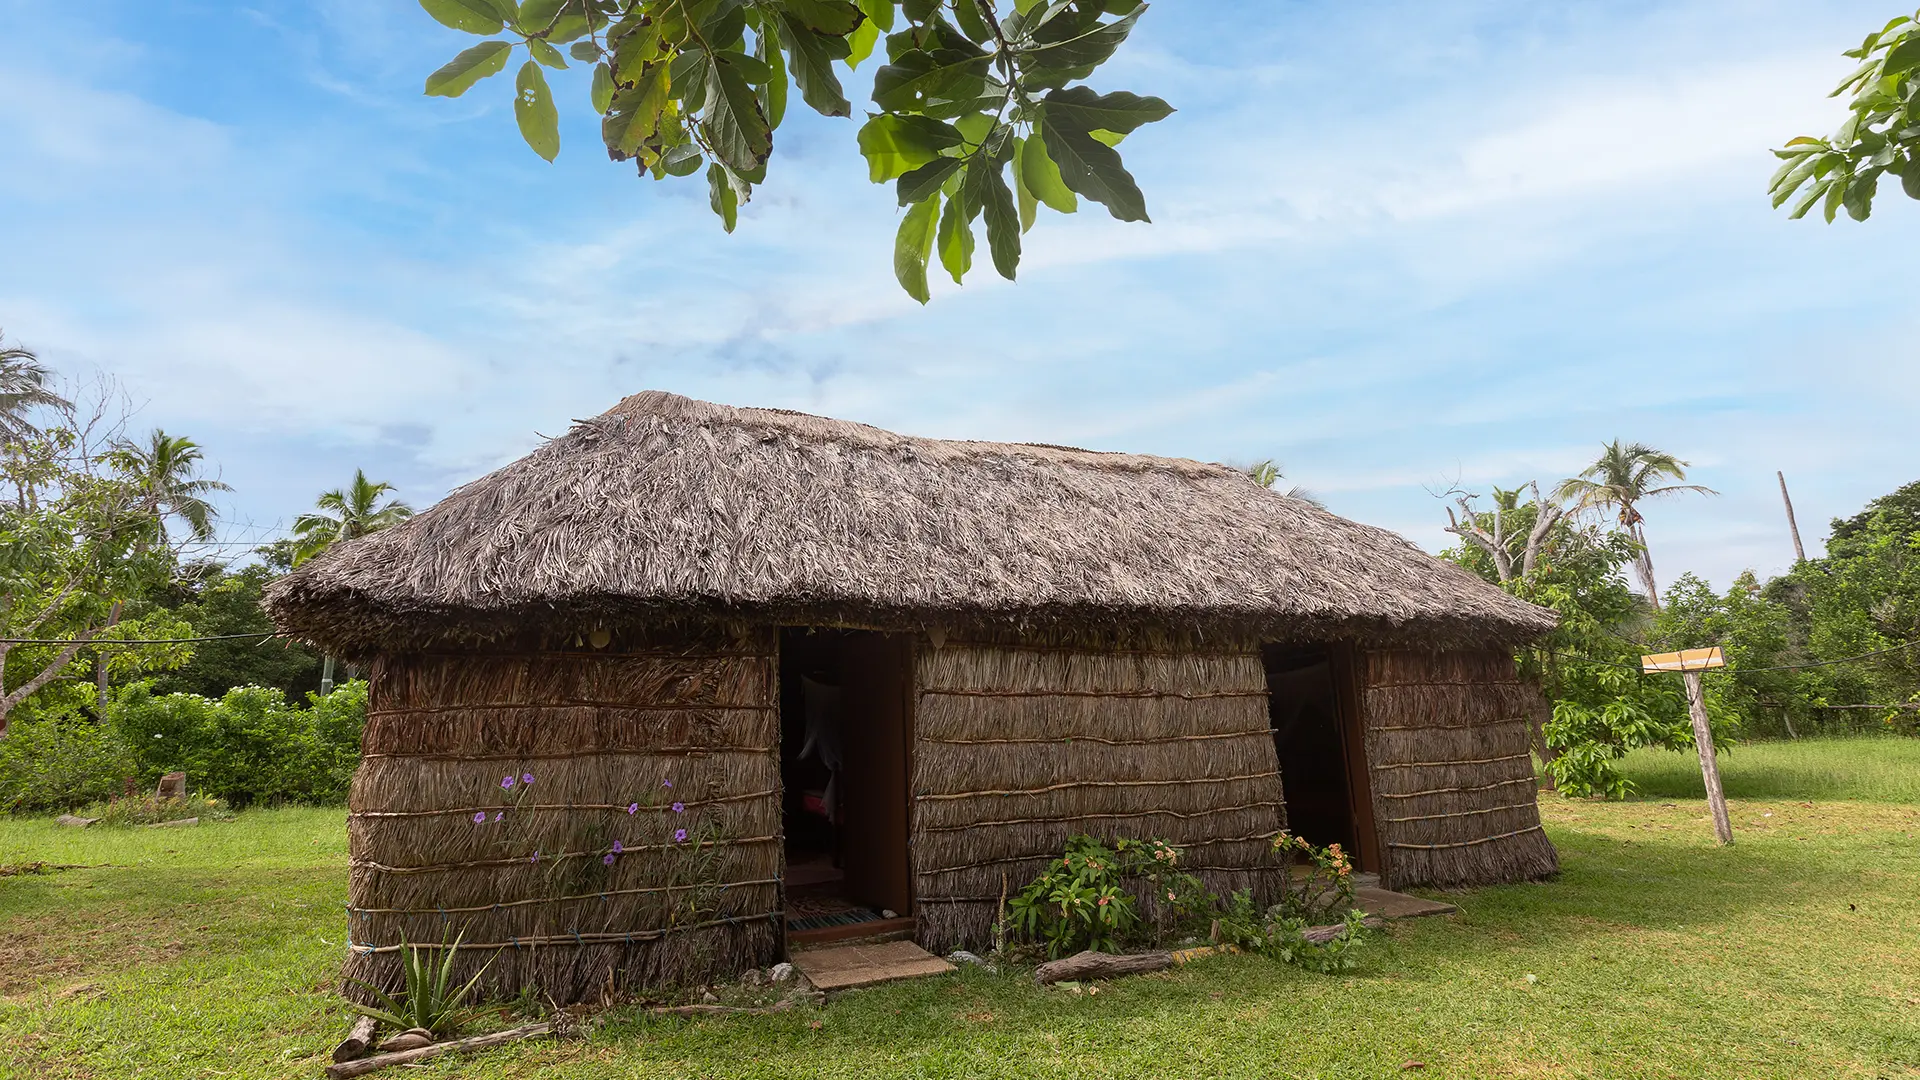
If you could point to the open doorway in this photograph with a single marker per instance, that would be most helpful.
(845, 716)
(1322, 758)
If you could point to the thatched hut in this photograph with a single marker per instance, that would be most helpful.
(673, 686)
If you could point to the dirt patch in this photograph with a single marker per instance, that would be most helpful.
(36, 951)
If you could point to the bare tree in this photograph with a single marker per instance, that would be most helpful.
(1500, 541)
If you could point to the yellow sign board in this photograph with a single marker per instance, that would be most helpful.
(1684, 660)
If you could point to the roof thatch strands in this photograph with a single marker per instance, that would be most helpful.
(669, 505)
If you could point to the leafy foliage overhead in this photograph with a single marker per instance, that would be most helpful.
(1881, 135)
(977, 118)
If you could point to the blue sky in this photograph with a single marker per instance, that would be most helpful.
(1397, 246)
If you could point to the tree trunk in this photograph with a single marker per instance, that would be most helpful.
(1643, 565)
(345, 1069)
(326, 676)
(100, 666)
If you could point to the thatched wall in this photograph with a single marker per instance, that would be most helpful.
(526, 875)
(1447, 736)
(1016, 748)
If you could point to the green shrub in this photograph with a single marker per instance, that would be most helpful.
(57, 762)
(250, 746)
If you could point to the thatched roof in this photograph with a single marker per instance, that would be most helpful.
(666, 507)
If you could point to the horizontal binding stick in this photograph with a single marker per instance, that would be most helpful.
(1089, 650)
(1457, 790)
(1049, 857)
(1478, 684)
(1438, 764)
(630, 706)
(1095, 784)
(1099, 817)
(1467, 843)
(1453, 727)
(569, 939)
(366, 864)
(550, 654)
(601, 895)
(1264, 733)
(567, 755)
(1465, 813)
(464, 811)
(1201, 696)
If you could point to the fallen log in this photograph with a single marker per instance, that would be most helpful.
(346, 1069)
(1099, 965)
(359, 1037)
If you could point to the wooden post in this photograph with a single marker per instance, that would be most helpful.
(1799, 553)
(1709, 768)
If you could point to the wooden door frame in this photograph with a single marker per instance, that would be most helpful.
(1346, 660)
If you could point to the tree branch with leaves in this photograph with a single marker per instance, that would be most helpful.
(978, 117)
(1880, 137)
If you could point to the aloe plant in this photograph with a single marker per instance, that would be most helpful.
(426, 1001)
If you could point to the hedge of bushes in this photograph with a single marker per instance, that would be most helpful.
(250, 746)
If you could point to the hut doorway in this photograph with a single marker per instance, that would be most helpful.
(1316, 733)
(845, 719)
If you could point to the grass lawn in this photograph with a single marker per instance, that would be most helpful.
(1795, 953)
(1883, 769)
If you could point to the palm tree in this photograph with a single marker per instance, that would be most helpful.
(346, 514)
(166, 480)
(1624, 476)
(23, 388)
(1269, 473)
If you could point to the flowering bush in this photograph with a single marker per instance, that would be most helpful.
(1325, 889)
(1083, 901)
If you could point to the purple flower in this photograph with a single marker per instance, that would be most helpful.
(633, 808)
(526, 778)
(536, 857)
(666, 783)
(500, 815)
(608, 860)
(479, 817)
(506, 781)
(617, 849)
(679, 836)
(679, 808)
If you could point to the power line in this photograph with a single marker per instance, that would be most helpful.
(263, 635)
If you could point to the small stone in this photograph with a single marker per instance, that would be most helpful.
(962, 956)
(76, 822)
(708, 999)
(753, 977)
(889, 913)
(781, 972)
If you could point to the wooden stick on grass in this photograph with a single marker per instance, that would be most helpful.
(346, 1069)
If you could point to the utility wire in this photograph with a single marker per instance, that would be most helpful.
(263, 635)
(1745, 670)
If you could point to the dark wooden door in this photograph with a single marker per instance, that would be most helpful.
(1367, 855)
(876, 687)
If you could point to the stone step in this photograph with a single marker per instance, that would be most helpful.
(842, 967)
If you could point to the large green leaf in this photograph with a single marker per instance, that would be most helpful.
(767, 48)
(458, 75)
(926, 179)
(909, 83)
(896, 143)
(989, 191)
(836, 17)
(602, 89)
(640, 45)
(533, 108)
(1093, 169)
(1041, 176)
(955, 240)
(636, 109)
(1064, 43)
(1118, 112)
(736, 129)
(546, 53)
(967, 17)
(919, 11)
(558, 21)
(878, 12)
(860, 44)
(913, 245)
(721, 195)
(811, 57)
(473, 16)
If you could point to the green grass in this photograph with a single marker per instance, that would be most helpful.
(1794, 953)
(1884, 769)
